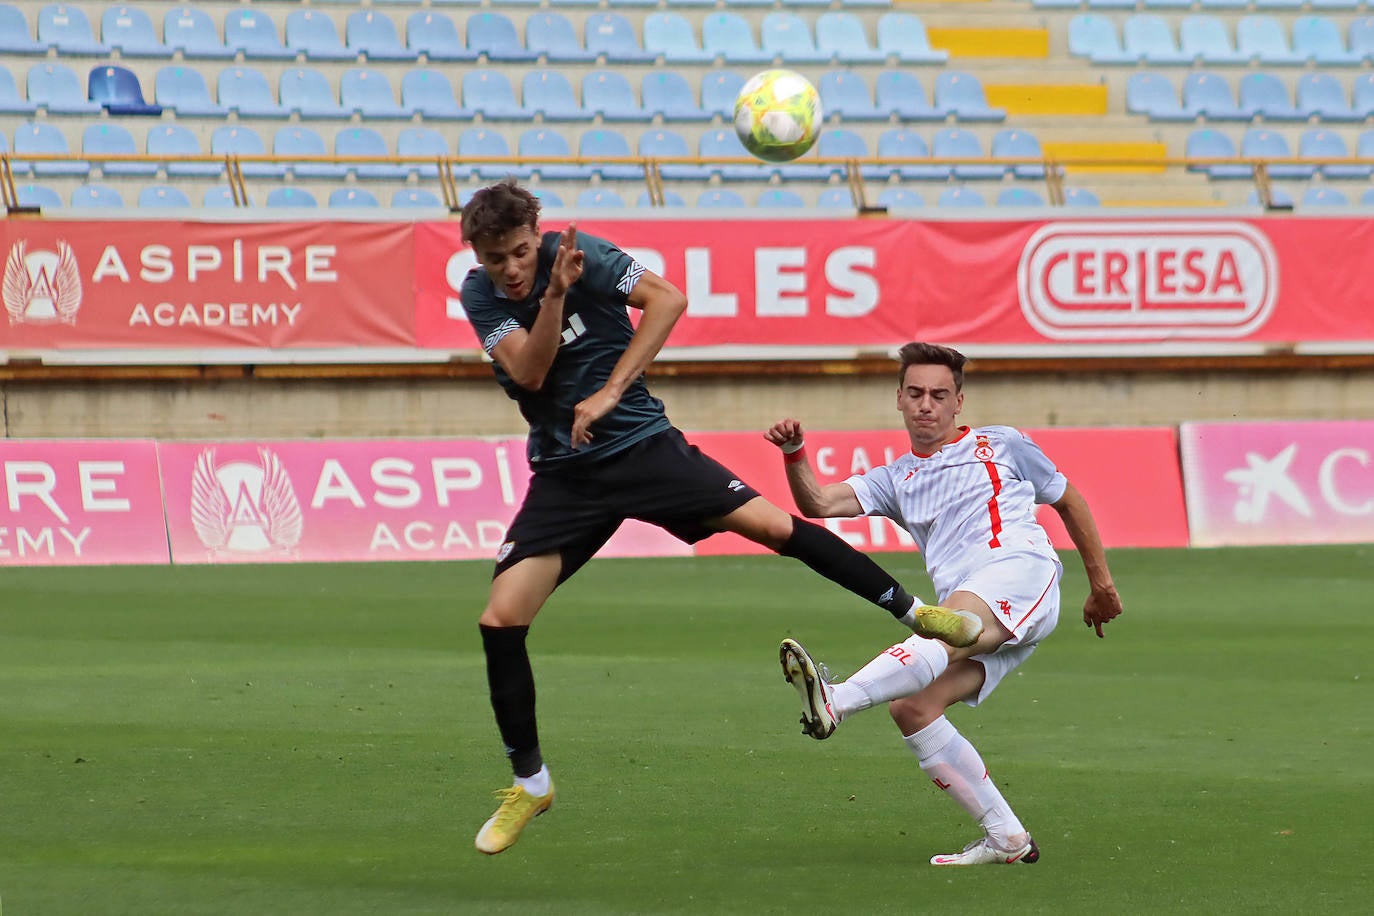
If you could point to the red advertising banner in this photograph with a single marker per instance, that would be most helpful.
(79, 502)
(157, 285)
(1279, 483)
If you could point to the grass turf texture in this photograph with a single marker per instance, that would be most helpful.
(317, 739)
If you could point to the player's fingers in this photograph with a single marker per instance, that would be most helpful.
(570, 236)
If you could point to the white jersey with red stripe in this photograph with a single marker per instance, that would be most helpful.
(971, 501)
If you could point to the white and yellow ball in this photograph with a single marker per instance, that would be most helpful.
(778, 115)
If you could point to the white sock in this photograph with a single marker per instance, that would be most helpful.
(953, 764)
(902, 670)
(537, 785)
(909, 618)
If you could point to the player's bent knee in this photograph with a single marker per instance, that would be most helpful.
(914, 713)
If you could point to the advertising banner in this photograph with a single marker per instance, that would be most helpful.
(1279, 483)
(80, 502)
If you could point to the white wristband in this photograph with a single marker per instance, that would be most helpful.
(789, 448)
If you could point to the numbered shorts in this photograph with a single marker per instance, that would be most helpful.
(1023, 591)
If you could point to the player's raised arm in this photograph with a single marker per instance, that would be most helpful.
(528, 355)
(1103, 603)
(835, 500)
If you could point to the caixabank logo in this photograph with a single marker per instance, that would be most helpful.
(245, 507)
(1143, 279)
(41, 286)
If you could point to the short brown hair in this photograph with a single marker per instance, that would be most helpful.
(497, 209)
(929, 354)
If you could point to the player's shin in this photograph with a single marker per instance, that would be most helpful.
(828, 554)
(954, 765)
(511, 682)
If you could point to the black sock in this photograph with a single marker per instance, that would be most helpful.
(828, 554)
(512, 695)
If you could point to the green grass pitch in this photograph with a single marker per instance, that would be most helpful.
(317, 739)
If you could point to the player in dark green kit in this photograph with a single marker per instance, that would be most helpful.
(551, 312)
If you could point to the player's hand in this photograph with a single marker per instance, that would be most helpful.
(784, 432)
(567, 263)
(588, 412)
(1103, 605)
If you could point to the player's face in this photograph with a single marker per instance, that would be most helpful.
(929, 404)
(510, 260)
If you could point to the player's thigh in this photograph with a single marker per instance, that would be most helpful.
(673, 484)
(563, 516)
(1017, 598)
(520, 590)
(760, 521)
(961, 680)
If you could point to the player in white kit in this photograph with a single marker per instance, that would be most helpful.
(968, 497)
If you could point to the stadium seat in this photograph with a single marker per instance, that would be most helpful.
(610, 95)
(1019, 144)
(1367, 198)
(1326, 144)
(291, 197)
(1209, 95)
(1224, 4)
(364, 141)
(130, 30)
(436, 37)
(302, 141)
(548, 93)
(15, 36)
(723, 143)
(1362, 94)
(493, 34)
(670, 36)
(657, 143)
(1278, 4)
(900, 143)
(960, 197)
(897, 92)
(490, 92)
(962, 94)
(1264, 94)
(306, 91)
(1262, 38)
(1360, 34)
(835, 199)
(117, 89)
(55, 87)
(1111, 4)
(610, 36)
(427, 91)
(37, 195)
(240, 140)
(10, 100)
(1261, 143)
(1154, 96)
(163, 197)
(605, 143)
(842, 143)
(1095, 37)
(42, 137)
(598, 198)
(422, 141)
(903, 36)
(67, 29)
(553, 38)
(1347, 6)
(727, 36)
(1324, 197)
(545, 143)
(315, 35)
(666, 94)
(1318, 39)
(803, 169)
(183, 90)
(192, 32)
(1204, 38)
(1147, 38)
(172, 141)
(110, 139)
(415, 197)
(547, 198)
(253, 33)
(787, 36)
(352, 197)
(97, 197)
(245, 91)
(841, 39)
(719, 90)
(670, 199)
(1206, 143)
(900, 199)
(368, 93)
(1320, 94)
(844, 93)
(1019, 197)
(373, 35)
(1080, 197)
(720, 199)
(957, 143)
(480, 142)
(780, 199)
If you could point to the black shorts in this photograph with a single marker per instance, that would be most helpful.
(663, 480)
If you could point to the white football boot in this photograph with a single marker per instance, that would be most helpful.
(982, 852)
(812, 684)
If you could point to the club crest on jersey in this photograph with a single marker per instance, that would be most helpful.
(244, 506)
(982, 449)
(42, 286)
(505, 550)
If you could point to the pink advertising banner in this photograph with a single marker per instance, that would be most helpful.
(74, 502)
(1279, 483)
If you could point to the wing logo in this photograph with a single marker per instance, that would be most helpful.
(41, 286)
(244, 506)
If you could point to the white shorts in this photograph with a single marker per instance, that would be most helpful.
(1023, 591)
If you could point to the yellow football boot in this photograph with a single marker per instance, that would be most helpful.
(517, 809)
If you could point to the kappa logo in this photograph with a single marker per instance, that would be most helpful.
(1263, 478)
(1004, 606)
(41, 286)
(244, 506)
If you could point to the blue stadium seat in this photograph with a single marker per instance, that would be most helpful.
(1278, 4)
(1111, 4)
(903, 36)
(1262, 38)
(898, 92)
(780, 199)
(1155, 96)
(804, 168)
(670, 199)
(291, 198)
(552, 37)
(722, 143)
(959, 196)
(192, 32)
(1147, 37)
(962, 94)
(1263, 143)
(1362, 94)
(610, 35)
(1345, 6)
(727, 36)
(374, 36)
(549, 199)
(900, 143)
(900, 199)
(240, 140)
(245, 90)
(426, 90)
(841, 39)
(37, 195)
(490, 92)
(117, 89)
(605, 143)
(10, 100)
(110, 139)
(315, 35)
(364, 141)
(480, 142)
(598, 198)
(957, 143)
(220, 197)
(415, 197)
(1326, 144)
(1168, 4)
(1367, 198)
(67, 29)
(183, 90)
(493, 34)
(302, 141)
(719, 90)
(1319, 40)
(835, 199)
(1095, 37)
(1320, 94)
(253, 32)
(55, 87)
(352, 197)
(368, 93)
(670, 35)
(1019, 197)
(844, 93)
(842, 143)
(1206, 143)
(1204, 38)
(130, 30)
(436, 37)
(306, 91)
(787, 36)
(172, 141)
(163, 197)
(15, 36)
(658, 143)
(720, 199)
(1360, 34)
(610, 95)
(1264, 94)
(546, 143)
(548, 93)
(1210, 96)
(1080, 197)
(666, 93)
(1019, 144)
(422, 141)
(1324, 197)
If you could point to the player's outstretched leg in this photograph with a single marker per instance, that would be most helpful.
(818, 715)
(518, 808)
(982, 852)
(957, 628)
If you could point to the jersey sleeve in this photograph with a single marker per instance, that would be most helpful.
(488, 319)
(608, 270)
(1035, 467)
(876, 491)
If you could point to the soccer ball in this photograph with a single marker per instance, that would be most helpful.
(778, 115)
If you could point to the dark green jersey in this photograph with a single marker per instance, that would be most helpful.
(596, 331)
